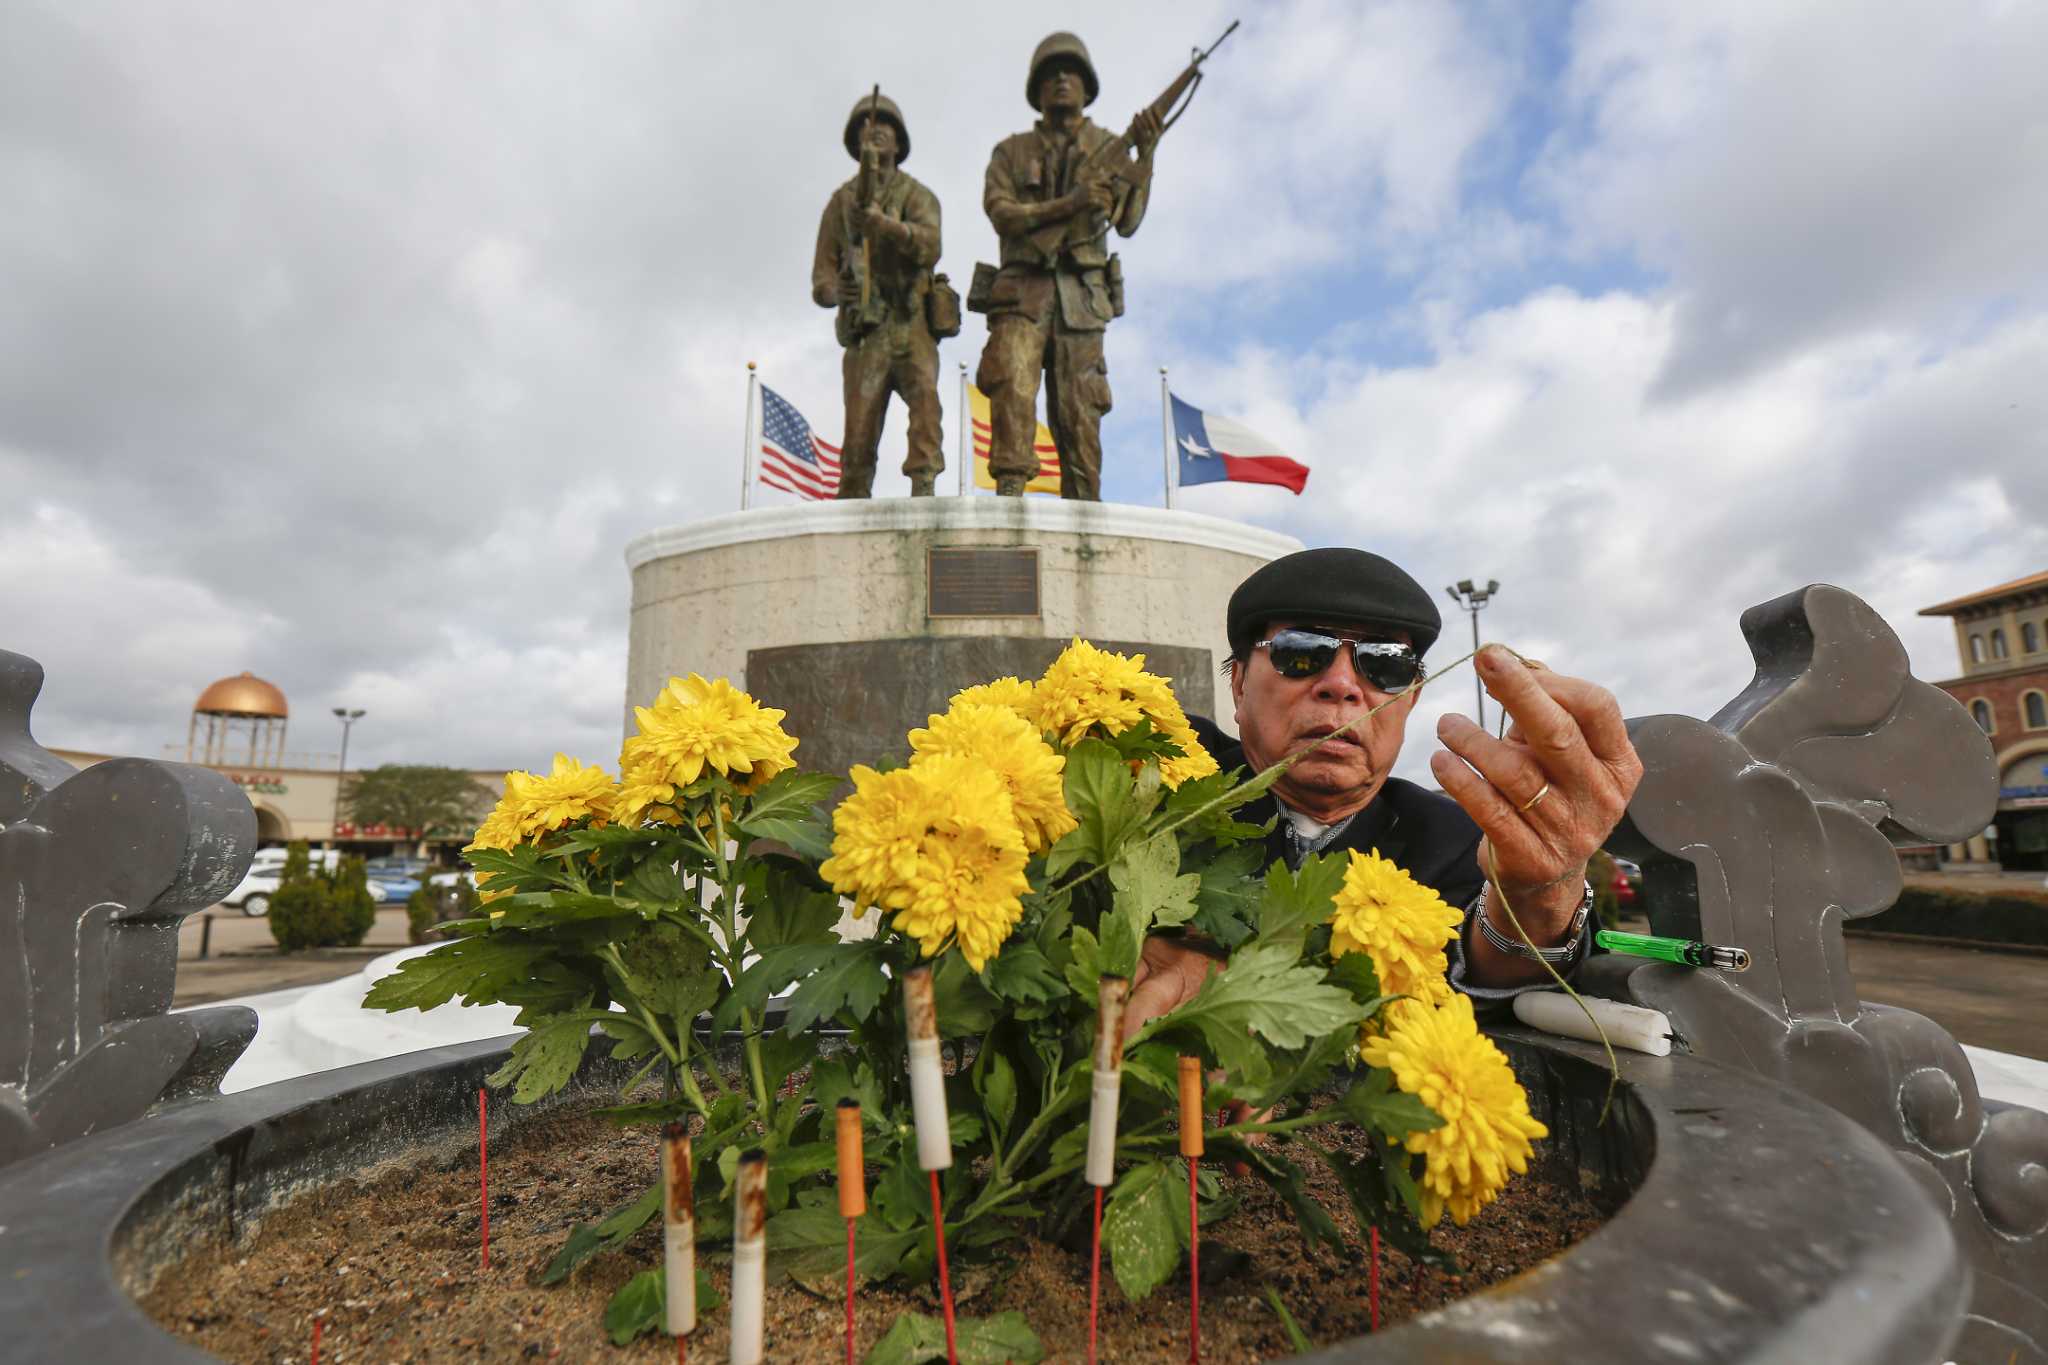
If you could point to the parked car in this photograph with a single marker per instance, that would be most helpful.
(1628, 883)
(266, 869)
(395, 865)
(389, 887)
(448, 876)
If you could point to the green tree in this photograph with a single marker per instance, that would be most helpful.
(416, 796)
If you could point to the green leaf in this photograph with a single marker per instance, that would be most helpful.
(1122, 941)
(1138, 1228)
(1383, 1195)
(965, 1006)
(641, 1305)
(1296, 902)
(1264, 992)
(1296, 1341)
(810, 838)
(776, 969)
(809, 1245)
(996, 1080)
(1290, 1182)
(1084, 969)
(902, 1194)
(1226, 903)
(1216, 825)
(547, 1057)
(1356, 974)
(1022, 973)
(608, 1234)
(849, 978)
(1101, 797)
(1395, 1113)
(479, 969)
(655, 882)
(790, 794)
(783, 910)
(1150, 887)
(916, 1338)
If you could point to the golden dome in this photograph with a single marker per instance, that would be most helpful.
(244, 695)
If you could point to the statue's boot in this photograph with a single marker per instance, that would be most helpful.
(1010, 486)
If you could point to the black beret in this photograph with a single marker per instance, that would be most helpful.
(1333, 585)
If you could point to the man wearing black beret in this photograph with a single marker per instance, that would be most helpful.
(1321, 637)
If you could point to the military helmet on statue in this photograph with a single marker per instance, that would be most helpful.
(881, 106)
(1062, 44)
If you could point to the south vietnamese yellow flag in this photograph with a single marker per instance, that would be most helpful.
(1047, 480)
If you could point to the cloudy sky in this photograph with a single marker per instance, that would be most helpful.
(351, 344)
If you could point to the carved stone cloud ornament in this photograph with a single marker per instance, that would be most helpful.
(1767, 827)
(97, 869)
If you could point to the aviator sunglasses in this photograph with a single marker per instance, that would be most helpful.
(1387, 664)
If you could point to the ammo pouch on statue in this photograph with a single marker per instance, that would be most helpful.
(942, 308)
(980, 287)
(1113, 281)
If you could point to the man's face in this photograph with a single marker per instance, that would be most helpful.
(1278, 716)
(878, 135)
(1060, 86)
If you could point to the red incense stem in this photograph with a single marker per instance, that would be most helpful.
(318, 1319)
(483, 1168)
(1373, 1280)
(1095, 1276)
(1194, 1266)
(945, 1277)
(682, 1351)
(849, 1291)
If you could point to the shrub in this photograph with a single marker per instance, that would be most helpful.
(434, 905)
(320, 909)
(2004, 915)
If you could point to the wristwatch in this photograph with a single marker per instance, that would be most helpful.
(1564, 952)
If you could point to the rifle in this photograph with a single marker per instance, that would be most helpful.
(1115, 160)
(867, 197)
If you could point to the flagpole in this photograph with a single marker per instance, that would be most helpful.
(966, 431)
(747, 442)
(1166, 433)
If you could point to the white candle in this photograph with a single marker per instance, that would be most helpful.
(1628, 1026)
(749, 1259)
(927, 1076)
(1111, 993)
(679, 1231)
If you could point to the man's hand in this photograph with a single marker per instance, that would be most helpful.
(1144, 132)
(1548, 793)
(880, 226)
(849, 292)
(1097, 196)
(1169, 973)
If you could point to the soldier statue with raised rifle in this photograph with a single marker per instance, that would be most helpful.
(877, 244)
(1053, 193)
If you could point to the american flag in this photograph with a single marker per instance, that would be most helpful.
(792, 457)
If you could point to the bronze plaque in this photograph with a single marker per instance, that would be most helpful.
(981, 582)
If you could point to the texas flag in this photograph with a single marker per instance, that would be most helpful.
(1216, 448)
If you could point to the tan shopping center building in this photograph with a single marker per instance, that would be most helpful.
(238, 728)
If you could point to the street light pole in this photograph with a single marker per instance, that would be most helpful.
(347, 718)
(1474, 599)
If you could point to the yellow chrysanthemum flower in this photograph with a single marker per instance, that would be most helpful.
(1088, 687)
(1439, 1055)
(501, 830)
(937, 842)
(696, 724)
(1006, 744)
(1011, 692)
(569, 793)
(1402, 924)
(645, 794)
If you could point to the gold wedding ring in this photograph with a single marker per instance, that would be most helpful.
(1533, 801)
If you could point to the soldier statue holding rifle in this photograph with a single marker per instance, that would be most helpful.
(1053, 193)
(877, 244)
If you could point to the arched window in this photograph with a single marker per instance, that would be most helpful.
(2035, 708)
(1998, 644)
(2030, 638)
(1981, 710)
(1977, 649)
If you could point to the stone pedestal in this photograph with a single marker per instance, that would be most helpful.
(861, 618)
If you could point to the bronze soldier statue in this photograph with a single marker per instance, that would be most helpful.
(1059, 284)
(877, 244)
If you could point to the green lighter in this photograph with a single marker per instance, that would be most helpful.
(1685, 952)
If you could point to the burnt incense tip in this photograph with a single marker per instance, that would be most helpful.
(677, 1129)
(753, 1156)
(850, 1103)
